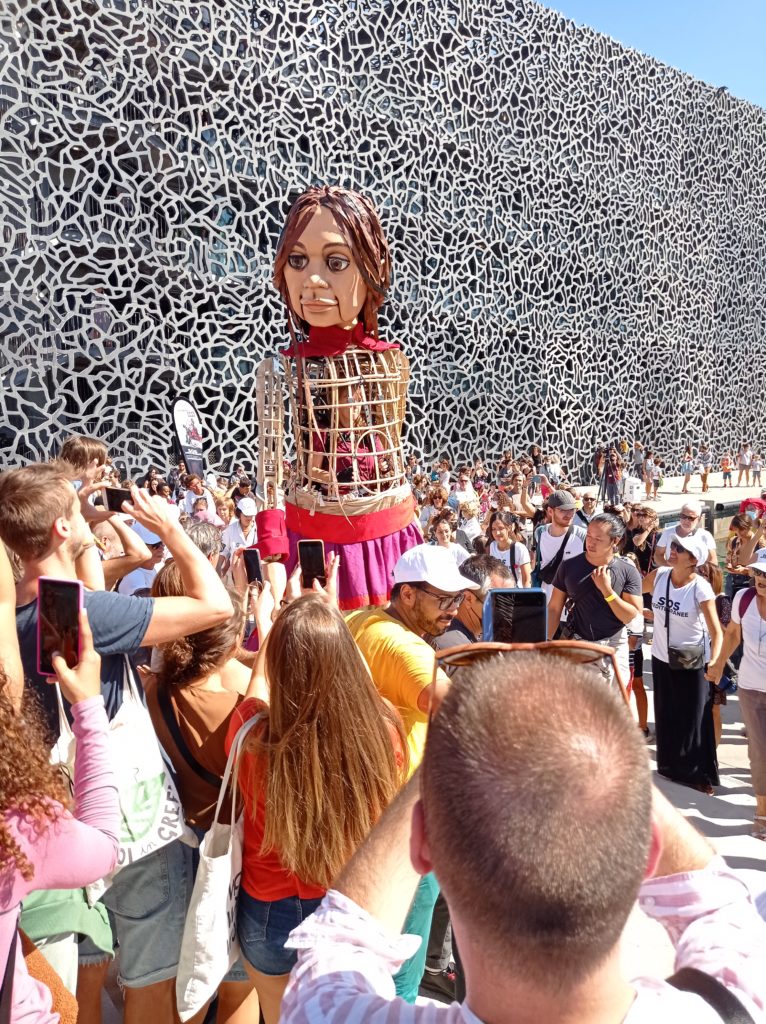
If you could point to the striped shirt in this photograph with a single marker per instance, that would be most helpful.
(346, 959)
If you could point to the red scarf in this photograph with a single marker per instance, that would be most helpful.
(333, 341)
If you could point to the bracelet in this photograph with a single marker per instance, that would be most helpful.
(612, 597)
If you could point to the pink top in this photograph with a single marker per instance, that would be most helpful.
(70, 853)
(346, 960)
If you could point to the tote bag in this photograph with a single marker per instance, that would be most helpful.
(151, 815)
(209, 946)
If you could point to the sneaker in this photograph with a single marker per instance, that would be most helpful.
(439, 985)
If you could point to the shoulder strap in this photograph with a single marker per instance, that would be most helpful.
(716, 995)
(745, 601)
(6, 986)
(557, 559)
(513, 561)
(170, 720)
(667, 606)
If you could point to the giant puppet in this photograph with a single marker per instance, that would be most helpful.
(347, 391)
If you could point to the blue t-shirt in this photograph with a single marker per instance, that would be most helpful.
(118, 623)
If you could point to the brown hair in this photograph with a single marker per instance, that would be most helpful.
(447, 516)
(541, 877)
(436, 492)
(713, 575)
(358, 222)
(29, 784)
(200, 654)
(80, 451)
(32, 498)
(331, 763)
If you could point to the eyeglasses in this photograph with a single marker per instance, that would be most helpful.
(688, 518)
(445, 601)
(600, 657)
(159, 544)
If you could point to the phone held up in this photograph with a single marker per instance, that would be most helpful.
(252, 559)
(515, 616)
(114, 497)
(58, 622)
(312, 562)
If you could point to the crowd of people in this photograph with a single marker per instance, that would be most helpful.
(408, 821)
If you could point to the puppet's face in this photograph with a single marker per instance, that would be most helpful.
(323, 280)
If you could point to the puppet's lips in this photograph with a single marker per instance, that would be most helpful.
(319, 304)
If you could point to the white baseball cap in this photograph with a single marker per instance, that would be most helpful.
(694, 544)
(247, 507)
(760, 556)
(146, 535)
(430, 564)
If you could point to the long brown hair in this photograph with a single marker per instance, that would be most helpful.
(358, 222)
(331, 768)
(29, 784)
(193, 657)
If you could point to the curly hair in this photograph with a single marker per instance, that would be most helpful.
(29, 783)
(192, 657)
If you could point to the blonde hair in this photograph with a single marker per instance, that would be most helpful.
(331, 768)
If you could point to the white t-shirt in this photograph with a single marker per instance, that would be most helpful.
(670, 531)
(520, 554)
(547, 546)
(191, 497)
(752, 668)
(139, 579)
(744, 458)
(458, 552)
(233, 538)
(687, 622)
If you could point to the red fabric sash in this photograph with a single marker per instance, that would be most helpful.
(355, 529)
(332, 341)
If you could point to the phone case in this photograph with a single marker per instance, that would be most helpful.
(80, 604)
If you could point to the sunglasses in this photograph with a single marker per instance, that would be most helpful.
(688, 518)
(759, 574)
(444, 602)
(678, 548)
(159, 544)
(602, 659)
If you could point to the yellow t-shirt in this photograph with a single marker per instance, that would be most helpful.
(402, 664)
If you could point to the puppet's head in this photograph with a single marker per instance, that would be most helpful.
(332, 266)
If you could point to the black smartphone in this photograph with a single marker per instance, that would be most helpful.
(253, 569)
(515, 616)
(114, 497)
(58, 622)
(311, 557)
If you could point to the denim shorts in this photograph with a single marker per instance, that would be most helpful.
(263, 928)
(147, 905)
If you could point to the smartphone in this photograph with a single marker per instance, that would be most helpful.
(515, 616)
(58, 622)
(114, 497)
(311, 557)
(252, 558)
(536, 479)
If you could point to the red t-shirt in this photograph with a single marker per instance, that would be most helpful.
(263, 875)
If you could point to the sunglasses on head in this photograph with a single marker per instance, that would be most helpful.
(600, 657)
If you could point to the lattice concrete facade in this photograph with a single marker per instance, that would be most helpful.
(578, 232)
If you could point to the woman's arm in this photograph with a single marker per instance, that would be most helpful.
(731, 641)
(714, 628)
(746, 553)
(10, 659)
(647, 584)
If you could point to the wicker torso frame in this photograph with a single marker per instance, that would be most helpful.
(362, 463)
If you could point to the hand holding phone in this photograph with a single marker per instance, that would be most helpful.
(312, 563)
(84, 681)
(59, 603)
(252, 559)
(114, 497)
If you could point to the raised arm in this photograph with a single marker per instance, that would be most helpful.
(206, 603)
(135, 553)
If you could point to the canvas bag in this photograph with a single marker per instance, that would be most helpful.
(151, 815)
(209, 947)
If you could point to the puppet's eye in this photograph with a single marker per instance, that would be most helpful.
(297, 260)
(338, 263)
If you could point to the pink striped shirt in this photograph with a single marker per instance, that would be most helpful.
(346, 960)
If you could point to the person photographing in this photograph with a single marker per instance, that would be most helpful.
(603, 591)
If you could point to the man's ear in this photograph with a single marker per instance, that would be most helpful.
(61, 528)
(420, 854)
(655, 850)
